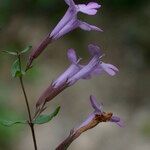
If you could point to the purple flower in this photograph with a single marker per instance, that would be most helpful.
(98, 115)
(76, 72)
(60, 83)
(70, 21)
(72, 69)
(94, 67)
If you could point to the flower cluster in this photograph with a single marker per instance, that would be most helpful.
(76, 70)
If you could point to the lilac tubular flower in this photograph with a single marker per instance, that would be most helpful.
(96, 117)
(76, 72)
(70, 22)
(60, 83)
(99, 115)
(85, 71)
(70, 76)
(73, 69)
(94, 67)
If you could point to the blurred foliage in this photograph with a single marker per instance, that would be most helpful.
(7, 113)
(7, 133)
(146, 129)
(124, 5)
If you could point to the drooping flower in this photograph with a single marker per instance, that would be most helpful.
(76, 71)
(68, 23)
(96, 117)
(99, 116)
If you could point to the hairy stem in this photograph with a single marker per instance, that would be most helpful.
(28, 107)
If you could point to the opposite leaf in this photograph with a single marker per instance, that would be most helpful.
(46, 118)
(9, 123)
(26, 50)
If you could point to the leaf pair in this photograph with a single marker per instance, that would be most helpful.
(16, 53)
(39, 120)
(16, 66)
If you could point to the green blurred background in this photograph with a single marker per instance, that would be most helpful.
(126, 43)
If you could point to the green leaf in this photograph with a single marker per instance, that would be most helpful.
(9, 123)
(46, 118)
(15, 69)
(26, 50)
(10, 53)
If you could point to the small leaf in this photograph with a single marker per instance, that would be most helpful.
(10, 53)
(26, 50)
(46, 118)
(9, 123)
(15, 69)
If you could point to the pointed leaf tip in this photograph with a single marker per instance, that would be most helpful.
(46, 118)
(9, 123)
(9, 52)
(26, 49)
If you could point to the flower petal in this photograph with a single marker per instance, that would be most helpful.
(113, 67)
(71, 25)
(70, 2)
(97, 71)
(93, 5)
(88, 27)
(109, 68)
(97, 107)
(117, 120)
(85, 71)
(72, 56)
(69, 15)
(90, 8)
(73, 69)
(87, 121)
(94, 50)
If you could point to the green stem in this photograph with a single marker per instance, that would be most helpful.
(28, 107)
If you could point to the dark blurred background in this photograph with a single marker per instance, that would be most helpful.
(126, 43)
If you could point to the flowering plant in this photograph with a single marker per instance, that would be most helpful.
(75, 72)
